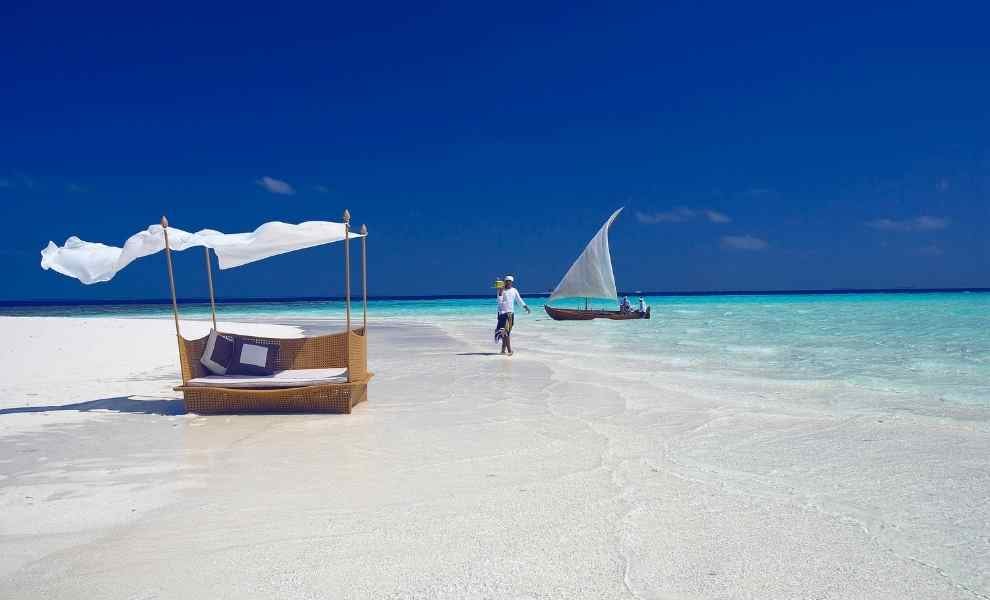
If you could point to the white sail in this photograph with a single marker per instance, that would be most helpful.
(591, 274)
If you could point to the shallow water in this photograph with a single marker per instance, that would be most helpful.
(929, 347)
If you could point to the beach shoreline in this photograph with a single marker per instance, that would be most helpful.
(469, 474)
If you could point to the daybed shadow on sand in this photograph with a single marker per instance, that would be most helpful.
(121, 404)
(478, 354)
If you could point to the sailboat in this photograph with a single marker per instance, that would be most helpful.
(590, 277)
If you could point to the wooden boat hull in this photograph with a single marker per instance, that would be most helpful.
(576, 314)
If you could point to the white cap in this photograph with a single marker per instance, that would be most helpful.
(510, 278)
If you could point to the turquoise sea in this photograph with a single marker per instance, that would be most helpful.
(932, 346)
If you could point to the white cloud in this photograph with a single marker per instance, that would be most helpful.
(17, 180)
(716, 217)
(682, 214)
(922, 223)
(276, 186)
(677, 215)
(743, 242)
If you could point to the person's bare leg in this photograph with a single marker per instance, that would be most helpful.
(508, 344)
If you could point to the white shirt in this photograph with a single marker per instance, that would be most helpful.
(642, 305)
(507, 300)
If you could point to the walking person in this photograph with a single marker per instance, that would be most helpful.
(508, 297)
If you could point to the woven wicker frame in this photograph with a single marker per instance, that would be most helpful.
(338, 350)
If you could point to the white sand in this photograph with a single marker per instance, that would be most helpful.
(548, 475)
(51, 360)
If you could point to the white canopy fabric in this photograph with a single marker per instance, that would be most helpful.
(92, 262)
(591, 274)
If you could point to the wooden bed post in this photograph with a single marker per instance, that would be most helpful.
(175, 303)
(364, 273)
(171, 276)
(209, 278)
(347, 268)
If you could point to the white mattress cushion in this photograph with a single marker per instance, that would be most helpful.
(281, 379)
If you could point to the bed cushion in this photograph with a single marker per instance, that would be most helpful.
(253, 358)
(280, 379)
(218, 353)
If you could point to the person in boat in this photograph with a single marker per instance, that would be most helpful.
(508, 297)
(642, 305)
(624, 306)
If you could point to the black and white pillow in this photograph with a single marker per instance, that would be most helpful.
(218, 353)
(253, 358)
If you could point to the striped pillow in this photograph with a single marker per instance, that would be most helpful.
(218, 353)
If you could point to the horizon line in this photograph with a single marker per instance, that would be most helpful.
(453, 296)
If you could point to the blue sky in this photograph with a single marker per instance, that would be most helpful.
(755, 146)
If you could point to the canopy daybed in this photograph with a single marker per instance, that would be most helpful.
(326, 373)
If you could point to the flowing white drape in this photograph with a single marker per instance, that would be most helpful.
(92, 262)
(591, 274)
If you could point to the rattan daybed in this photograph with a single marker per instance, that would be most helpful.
(325, 373)
(338, 361)
(321, 352)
